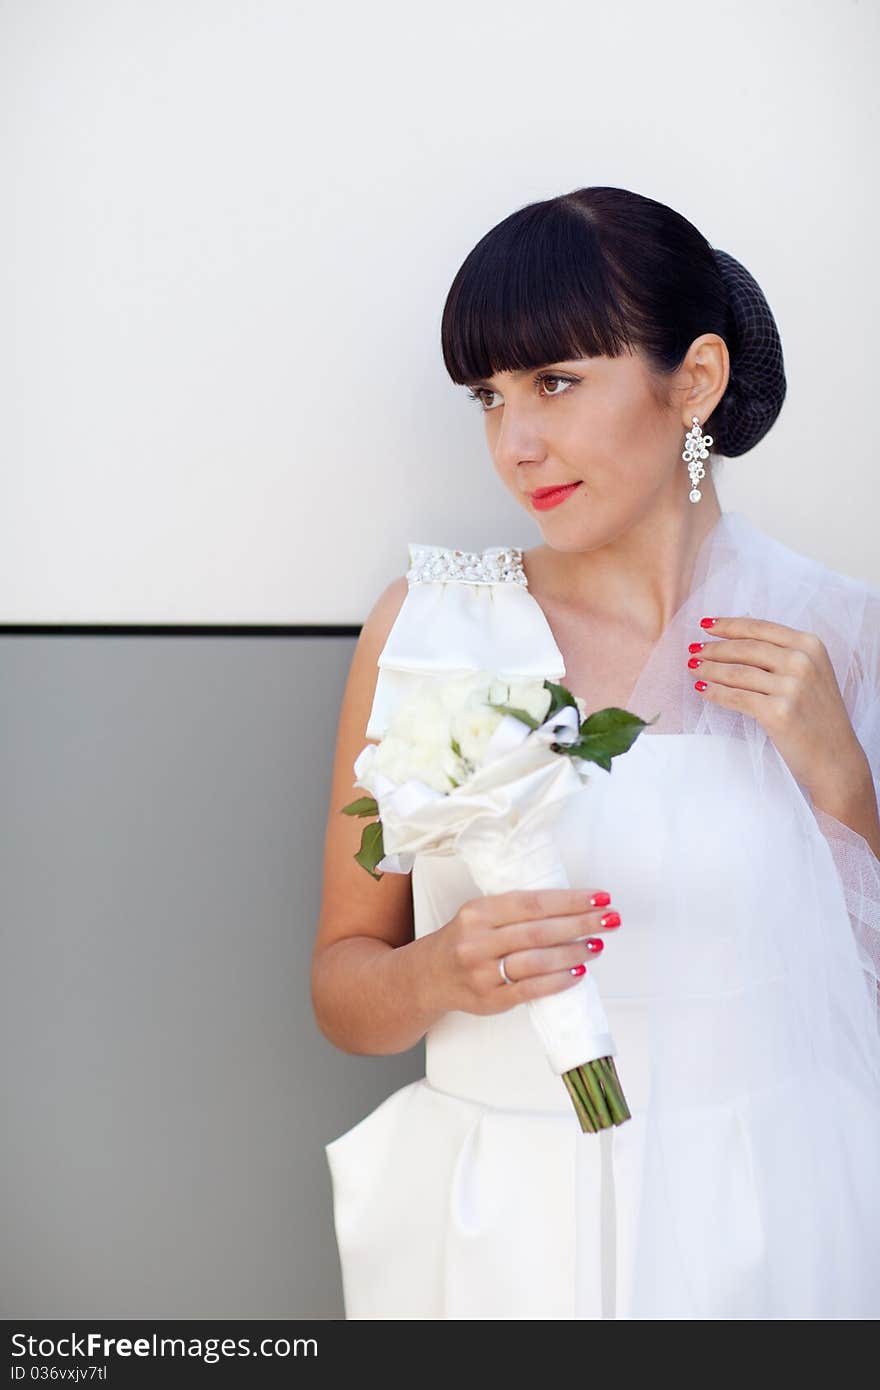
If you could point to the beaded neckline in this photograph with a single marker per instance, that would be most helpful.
(495, 565)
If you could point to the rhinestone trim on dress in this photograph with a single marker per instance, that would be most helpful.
(494, 565)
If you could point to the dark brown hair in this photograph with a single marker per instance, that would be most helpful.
(600, 271)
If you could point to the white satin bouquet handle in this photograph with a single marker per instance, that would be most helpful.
(481, 767)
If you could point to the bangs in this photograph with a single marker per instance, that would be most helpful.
(533, 291)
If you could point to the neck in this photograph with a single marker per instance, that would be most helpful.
(644, 572)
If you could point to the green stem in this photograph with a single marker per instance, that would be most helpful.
(586, 1102)
(597, 1095)
(614, 1091)
(593, 1084)
(579, 1109)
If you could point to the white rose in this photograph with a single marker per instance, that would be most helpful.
(454, 709)
(531, 696)
(474, 724)
(418, 741)
(422, 709)
(454, 692)
(428, 760)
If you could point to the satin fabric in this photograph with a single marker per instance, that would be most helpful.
(739, 991)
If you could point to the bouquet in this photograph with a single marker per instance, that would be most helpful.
(481, 767)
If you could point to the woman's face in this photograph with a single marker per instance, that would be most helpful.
(597, 422)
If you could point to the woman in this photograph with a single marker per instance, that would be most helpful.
(725, 879)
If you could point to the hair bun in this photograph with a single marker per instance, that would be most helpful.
(756, 388)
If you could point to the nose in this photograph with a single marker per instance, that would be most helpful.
(517, 442)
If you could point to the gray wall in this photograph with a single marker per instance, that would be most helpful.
(166, 1091)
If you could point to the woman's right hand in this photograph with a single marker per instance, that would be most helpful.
(535, 931)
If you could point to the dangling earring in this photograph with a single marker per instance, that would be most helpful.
(696, 448)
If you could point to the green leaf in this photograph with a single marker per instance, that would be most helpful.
(606, 734)
(517, 713)
(364, 806)
(371, 850)
(560, 699)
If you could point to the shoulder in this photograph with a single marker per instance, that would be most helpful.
(760, 575)
(840, 608)
(386, 609)
(804, 578)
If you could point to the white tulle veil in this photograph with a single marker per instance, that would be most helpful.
(782, 1017)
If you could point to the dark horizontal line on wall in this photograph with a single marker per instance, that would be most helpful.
(179, 630)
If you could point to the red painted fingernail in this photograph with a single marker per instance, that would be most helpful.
(694, 663)
(578, 970)
(594, 944)
(699, 685)
(696, 646)
(708, 622)
(601, 899)
(610, 919)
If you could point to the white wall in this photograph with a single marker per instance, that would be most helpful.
(228, 230)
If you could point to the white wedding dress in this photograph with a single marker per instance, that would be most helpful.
(740, 991)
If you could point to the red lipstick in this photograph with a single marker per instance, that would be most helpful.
(543, 498)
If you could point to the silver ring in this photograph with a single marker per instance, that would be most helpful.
(504, 975)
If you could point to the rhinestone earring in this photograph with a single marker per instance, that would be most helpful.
(696, 449)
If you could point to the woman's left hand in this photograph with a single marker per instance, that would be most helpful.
(785, 680)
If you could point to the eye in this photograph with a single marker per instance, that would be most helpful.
(478, 394)
(540, 379)
(565, 380)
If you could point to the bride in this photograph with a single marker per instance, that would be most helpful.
(725, 876)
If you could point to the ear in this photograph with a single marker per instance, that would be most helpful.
(706, 369)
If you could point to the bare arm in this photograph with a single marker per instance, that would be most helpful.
(371, 980)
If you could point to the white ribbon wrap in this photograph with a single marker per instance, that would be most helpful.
(501, 823)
